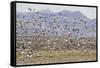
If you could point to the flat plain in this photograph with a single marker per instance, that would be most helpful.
(44, 50)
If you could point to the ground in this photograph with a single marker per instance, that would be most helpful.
(42, 50)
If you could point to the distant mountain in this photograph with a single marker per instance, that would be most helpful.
(45, 11)
(48, 23)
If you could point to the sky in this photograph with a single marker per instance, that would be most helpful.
(89, 12)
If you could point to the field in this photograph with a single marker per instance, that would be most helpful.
(41, 50)
(42, 57)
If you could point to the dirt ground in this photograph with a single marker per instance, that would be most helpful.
(42, 51)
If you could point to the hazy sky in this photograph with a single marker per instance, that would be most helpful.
(90, 12)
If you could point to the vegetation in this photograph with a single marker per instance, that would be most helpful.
(41, 50)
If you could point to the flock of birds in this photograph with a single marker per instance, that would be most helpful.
(37, 25)
(54, 24)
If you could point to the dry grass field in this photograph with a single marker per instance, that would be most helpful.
(54, 50)
(42, 57)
